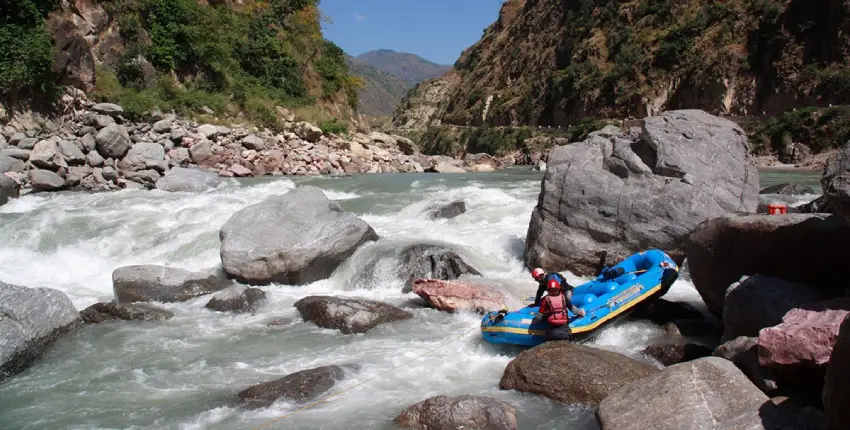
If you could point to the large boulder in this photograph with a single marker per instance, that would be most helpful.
(31, 319)
(113, 141)
(144, 156)
(805, 338)
(111, 311)
(774, 296)
(45, 180)
(459, 412)
(9, 164)
(348, 315)
(190, 180)
(454, 296)
(708, 393)
(836, 390)
(9, 189)
(150, 283)
(835, 183)
(799, 248)
(297, 238)
(298, 386)
(572, 373)
(614, 194)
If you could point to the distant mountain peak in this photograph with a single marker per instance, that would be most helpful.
(411, 68)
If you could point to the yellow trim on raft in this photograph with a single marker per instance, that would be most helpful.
(583, 329)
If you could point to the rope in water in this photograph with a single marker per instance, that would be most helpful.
(325, 399)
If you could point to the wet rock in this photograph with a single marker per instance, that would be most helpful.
(348, 315)
(9, 189)
(190, 180)
(572, 373)
(743, 351)
(100, 312)
(705, 393)
(798, 248)
(45, 180)
(297, 238)
(788, 189)
(836, 391)
(459, 412)
(693, 328)
(113, 141)
(448, 211)
(774, 297)
(669, 354)
(805, 338)
(31, 319)
(162, 284)
(610, 196)
(454, 296)
(298, 387)
(431, 260)
(9, 164)
(237, 298)
(835, 183)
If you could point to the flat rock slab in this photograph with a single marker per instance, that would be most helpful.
(149, 283)
(31, 319)
(101, 312)
(708, 393)
(455, 296)
(348, 315)
(294, 239)
(572, 373)
(298, 387)
(459, 412)
(615, 193)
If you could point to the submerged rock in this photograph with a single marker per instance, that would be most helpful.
(149, 283)
(297, 238)
(454, 296)
(788, 189)
(431, 260)
(299, 386)
(836, 391)
(701, 394)
(348, 315)
(100, 312)
(798, 248)
(671, 353)
(237, 298)
(572, 373)
(448, 211)
(459, 412)
(31, 319)
(614, 194)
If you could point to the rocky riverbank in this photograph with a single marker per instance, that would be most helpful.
(94, 148)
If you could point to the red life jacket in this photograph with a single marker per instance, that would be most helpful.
(557, 310)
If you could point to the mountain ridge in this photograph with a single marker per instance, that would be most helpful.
(409, 67)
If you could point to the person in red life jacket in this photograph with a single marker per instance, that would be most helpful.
(543, 280)
(554, 308)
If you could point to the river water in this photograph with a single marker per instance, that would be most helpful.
(184, 373)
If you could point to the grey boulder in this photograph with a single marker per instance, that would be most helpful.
(45, 180)
(615, 194)
(189, 180)
(31, 319)
(162, 284)
(295, 239)
(9, 164)
(237, 298)
(348, 315)
(108, 109)
(459, 412)
(9, 189)
(113, 141)
(144, 156)
(101, 312)
(298, 386)
(835, 183)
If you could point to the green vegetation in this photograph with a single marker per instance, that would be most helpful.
(334, 126)
(819, 128)
(26, 53)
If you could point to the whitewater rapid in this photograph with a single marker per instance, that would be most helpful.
(184, 373)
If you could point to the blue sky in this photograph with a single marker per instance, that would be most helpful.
(437, 30)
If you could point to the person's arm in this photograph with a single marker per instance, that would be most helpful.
(541, 288)
(573, 308)
(542, 312)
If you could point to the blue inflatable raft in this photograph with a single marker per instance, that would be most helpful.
(613, 294)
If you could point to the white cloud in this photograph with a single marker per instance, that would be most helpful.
(359, 17)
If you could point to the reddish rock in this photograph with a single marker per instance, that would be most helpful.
(805, 337)
(239, 170)
(453, 296)
(836, 391)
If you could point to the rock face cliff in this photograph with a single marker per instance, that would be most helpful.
(554, 62)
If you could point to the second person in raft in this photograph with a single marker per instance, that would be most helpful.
(554, 308)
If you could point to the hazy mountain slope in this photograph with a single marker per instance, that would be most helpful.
(410, 68)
